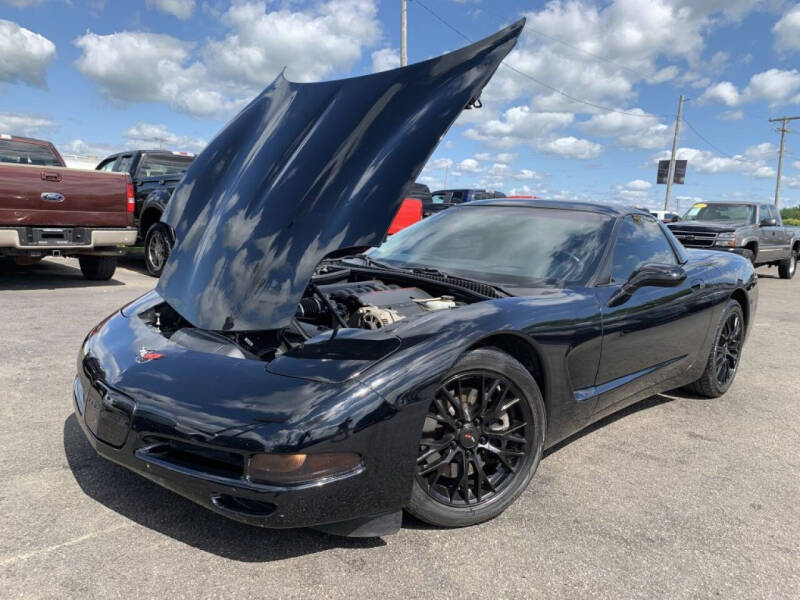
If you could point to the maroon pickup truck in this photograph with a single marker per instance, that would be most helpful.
(47, 209)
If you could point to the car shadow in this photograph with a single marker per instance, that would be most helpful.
(157, 508)
(45, 275)
(411, 522)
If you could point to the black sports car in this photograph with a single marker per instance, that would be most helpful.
(281, 377)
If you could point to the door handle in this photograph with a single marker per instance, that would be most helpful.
(697, 285)
(51, 176)
(52, 197)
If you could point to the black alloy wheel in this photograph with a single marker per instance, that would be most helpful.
(723, 361)
(157, 247)
(481, 441)
(728, 349)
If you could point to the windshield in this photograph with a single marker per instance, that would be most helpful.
(156, 165)
(24, 153)
(505, 245)
(720, 211)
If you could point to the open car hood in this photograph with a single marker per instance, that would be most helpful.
(305, 171)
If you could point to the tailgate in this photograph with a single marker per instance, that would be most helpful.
(58, 196)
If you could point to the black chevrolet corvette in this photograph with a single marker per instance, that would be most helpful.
(283, 376)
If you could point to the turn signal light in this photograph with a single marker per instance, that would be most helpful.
(300, 468)
(131, 197)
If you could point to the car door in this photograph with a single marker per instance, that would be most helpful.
(768, 243)
(657, 332)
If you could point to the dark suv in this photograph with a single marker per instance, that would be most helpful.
(442, 199)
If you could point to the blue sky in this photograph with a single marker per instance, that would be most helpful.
(97, 76)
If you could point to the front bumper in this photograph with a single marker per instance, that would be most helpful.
(146, 417)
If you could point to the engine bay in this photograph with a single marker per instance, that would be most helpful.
(341, 298)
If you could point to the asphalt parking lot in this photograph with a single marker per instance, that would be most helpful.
(675, 497)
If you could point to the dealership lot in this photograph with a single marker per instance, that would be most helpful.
(676, 496)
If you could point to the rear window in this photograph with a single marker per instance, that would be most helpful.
(25, 153)
(156, 165)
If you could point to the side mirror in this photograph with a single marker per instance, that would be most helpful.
(649, 275)
(769, 222)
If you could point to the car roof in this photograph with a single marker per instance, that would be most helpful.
(597, 207)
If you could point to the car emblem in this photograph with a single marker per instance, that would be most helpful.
(146, 355)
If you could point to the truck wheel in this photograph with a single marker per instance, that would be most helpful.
(157, 246)
(748, 254)
(98, 268)
(788, 266)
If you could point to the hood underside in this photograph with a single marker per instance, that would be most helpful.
(306, 171)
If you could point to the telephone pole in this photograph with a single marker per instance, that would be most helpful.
(671, 173)
(783, 130)
(403, 44)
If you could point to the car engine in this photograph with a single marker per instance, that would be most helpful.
(370, 304)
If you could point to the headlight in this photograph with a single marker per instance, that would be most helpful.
(726, 239)
(300, 468)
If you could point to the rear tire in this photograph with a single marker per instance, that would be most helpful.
(98, 268)
(723, 360)
(473, 465)
(749, 255)
(788, 266)
(157, 247)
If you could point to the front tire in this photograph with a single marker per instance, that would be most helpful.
(788, 266)
(157, 247)
(481, 442)
(723, 360)
(98, 268)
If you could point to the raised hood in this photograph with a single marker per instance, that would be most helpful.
(305, 171)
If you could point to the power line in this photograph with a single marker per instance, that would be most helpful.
(711, 144)
(536, 80)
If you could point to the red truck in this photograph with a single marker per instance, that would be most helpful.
(47, 209)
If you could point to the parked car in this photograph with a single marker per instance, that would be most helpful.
(282, 378)
(666, 216)
(47, 209)
(748, 228)
(444, 199)
(410, 212)
(155, 173)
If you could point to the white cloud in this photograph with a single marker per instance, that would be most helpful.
(787, 30)
(518, 125)
(180, 9)
(732, 115)
(506, 158)
(774, 86)
(150, 135)
(223, 74)
(796, 165)
(752, 162)
(311, 43)
(469, 165)
(642, 131)
(571, 147)
(24, 55)
(82, 148)
(24, 125)
(385, 59)
(134, 66)
(638, 184)
(22, 3)
(440, 163)
(526, 175)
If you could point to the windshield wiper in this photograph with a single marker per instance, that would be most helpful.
(433, 271)
(370, 262)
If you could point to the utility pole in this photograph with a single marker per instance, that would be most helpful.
(671, 173)
(783, 130)
(403, 43)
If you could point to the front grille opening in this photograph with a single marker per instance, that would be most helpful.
(199, 458)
